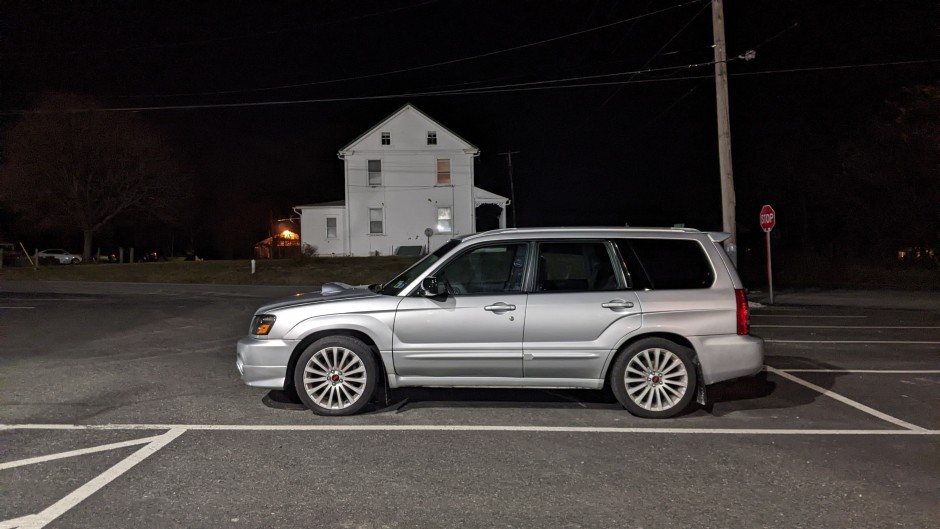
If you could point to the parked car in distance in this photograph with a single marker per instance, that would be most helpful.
(653, 314)
(58, 255)
(151, 257)
(11, 254)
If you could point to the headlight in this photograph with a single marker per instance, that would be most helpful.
(261, 324)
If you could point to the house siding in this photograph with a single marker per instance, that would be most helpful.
(408, 194)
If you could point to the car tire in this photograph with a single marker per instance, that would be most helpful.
(654, 378)
(336, 376)
(76, 260)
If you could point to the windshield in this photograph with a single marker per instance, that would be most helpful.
(395, 286)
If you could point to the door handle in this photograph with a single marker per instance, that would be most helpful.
(617, 304)
(499, 307)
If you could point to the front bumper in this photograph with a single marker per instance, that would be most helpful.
(263, 363)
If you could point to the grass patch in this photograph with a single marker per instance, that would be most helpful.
(315, 271)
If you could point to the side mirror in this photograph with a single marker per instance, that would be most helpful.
(431, 287)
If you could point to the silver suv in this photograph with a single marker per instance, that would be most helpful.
(655, 313)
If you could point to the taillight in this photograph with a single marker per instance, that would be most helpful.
(742, 311)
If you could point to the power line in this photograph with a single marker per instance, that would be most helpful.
(179, 44)
(424, 66)
(839, 67)
(648, 61)
(487, 90)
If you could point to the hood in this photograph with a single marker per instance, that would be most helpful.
(327, 293)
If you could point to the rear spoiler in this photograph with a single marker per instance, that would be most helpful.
(718, 236)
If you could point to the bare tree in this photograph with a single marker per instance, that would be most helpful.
(68, 165)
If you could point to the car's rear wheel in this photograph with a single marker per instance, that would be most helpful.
(336, 375)
(654, 378)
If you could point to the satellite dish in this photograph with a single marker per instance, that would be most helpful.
(428, 232)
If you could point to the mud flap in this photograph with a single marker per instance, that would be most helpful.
(701, 394)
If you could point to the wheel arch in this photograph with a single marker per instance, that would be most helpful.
(672, 337)
(314, 336)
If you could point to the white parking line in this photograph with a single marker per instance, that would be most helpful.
(73, 453)
(845, 400)
(900, 342)
(804, 316)
(874, 371)
(844, 327)
(80, 494)
(460, 428)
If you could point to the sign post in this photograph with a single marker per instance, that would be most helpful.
(768, 219)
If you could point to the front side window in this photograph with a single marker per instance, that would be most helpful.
(445, 220)
(386, 138)
(376, 220)
(396, 285)
(443, 172)
(575, 267)
(331, 227)
(375, 172)
(667, 264)
(432, 137)
(485, 270)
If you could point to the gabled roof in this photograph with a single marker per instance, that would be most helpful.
(482, 196)
(333, 203)
(406, 106)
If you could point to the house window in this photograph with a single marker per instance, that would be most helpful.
(376, 220)
(432, 137)
(375, 172)
(443, 172)
(445, 220)
(386, 138)
(331, 227)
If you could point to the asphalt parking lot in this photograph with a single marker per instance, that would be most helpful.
(121, 406)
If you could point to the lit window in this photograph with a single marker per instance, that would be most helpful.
(376, 218)
(432, 137)
(443, 172)
(375, 172)
(331, 227)
(445, 222)
(386, 138)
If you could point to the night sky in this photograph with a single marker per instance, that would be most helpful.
(621, 147)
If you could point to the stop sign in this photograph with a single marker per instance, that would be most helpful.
(768, 217)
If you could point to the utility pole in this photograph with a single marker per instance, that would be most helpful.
(724, 129)
(512, 188)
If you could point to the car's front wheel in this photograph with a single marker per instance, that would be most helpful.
(336, 375)
(76, 260)
(654, 378)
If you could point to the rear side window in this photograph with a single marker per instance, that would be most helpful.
(574, 267)
(667, 264)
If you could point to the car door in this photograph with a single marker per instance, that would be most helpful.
(579, 309)
(475, 329)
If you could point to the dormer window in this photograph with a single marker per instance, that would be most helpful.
(432, 137)
(386, 138)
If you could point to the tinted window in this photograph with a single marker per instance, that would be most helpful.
(667, 264)
(485, 269)
(574, 266)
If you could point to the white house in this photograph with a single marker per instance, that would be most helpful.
(405, 177)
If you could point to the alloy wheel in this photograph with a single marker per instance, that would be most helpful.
(335, 378)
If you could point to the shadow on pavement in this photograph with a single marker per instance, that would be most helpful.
(766, 391)
(760, 392)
